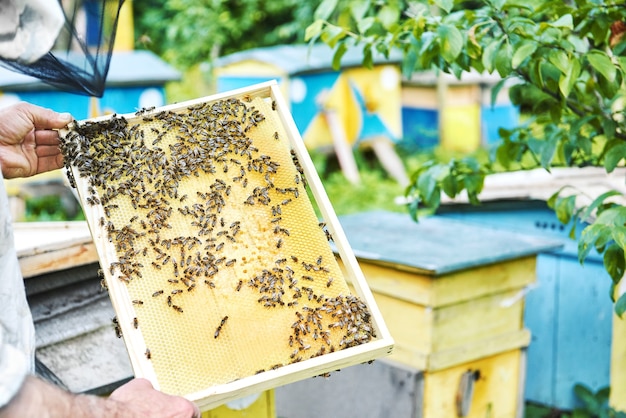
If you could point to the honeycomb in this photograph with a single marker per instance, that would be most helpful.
(228, 271)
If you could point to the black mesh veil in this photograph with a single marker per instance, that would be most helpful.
(79, 61)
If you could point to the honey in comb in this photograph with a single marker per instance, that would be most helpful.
(213, 231)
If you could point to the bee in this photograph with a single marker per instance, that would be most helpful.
(279, 243)
(135, 323)
(177, 308)
(239, 285)
(157, 293)
(148, 354)
(275, 135)
(176, 291)
(137, 302)
(329, 282)
(319, 260)
(219, 328)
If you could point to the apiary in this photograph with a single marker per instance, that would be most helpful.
(221, 274)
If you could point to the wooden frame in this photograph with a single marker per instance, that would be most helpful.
(123, 304)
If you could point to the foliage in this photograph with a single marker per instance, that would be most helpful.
(376, 191)
(189, 32)
(52, 208)
(595, 405)
(565, 60)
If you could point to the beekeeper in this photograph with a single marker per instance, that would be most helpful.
(28, 146)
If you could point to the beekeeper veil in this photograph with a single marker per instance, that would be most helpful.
(65, 43)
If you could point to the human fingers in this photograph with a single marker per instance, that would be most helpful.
(140, 395)
(43, 118)
(50, 162)
(47, 137)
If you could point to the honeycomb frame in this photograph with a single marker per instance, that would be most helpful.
(149, 337)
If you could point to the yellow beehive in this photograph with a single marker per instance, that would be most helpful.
(222, 278)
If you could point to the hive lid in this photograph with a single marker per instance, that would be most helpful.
(434, 245)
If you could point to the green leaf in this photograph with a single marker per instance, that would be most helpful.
(313, 30)
(525, 50)
(620, 305)
(332, 35)
(450, 186)
(451, 42)
(564, 208)
(388, 15)
(339, 52)
(585, 395)
(552, 199)
(597, 202)
(495, 90)
(358, 8)
(567, 80)
(614, 261)
(489, 54)
(414, 208)
(614, 155)
(364, 24)
(560, 60)
(601, 62)
(445, 5)
(368, 58)
(591, 235)
(409, 62)
(564, 21)
(612, 290)
(325, 9)
(503, 60)
(612, 216)
(603, 393)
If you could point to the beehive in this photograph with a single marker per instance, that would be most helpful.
(221, 274)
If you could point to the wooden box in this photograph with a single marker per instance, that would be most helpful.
(450, 292)
(221, 275)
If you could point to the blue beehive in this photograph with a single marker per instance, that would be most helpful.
(366, 100)
(569, 313)
(456, 113)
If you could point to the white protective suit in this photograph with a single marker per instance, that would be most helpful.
(17, 333)
(28, 30)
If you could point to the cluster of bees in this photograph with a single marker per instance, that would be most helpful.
(144, 162)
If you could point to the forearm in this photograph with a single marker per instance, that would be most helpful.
(39, 399)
